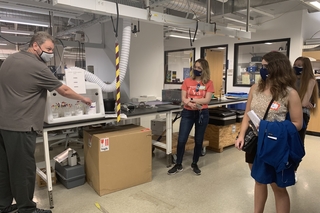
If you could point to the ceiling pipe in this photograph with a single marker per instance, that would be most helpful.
(208, 11)
(248, 15)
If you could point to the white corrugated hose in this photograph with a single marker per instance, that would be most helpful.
(124, 59)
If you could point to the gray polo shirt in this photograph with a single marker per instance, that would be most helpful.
(24, 81)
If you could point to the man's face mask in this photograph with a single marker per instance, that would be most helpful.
(45, 56)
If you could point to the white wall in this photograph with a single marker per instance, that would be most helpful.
(103, 60)
(145, 69)
(310, 25)
(147, 61)
(287, 26)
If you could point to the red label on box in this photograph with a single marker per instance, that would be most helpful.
(104, 144)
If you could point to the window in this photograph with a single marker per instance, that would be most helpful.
(177, 65)
(248, 57)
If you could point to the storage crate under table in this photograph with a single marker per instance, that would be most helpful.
(221, 136)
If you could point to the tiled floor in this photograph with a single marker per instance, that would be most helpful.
(225, 186)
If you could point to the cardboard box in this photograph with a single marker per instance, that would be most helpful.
(117, 158)
(41, 182)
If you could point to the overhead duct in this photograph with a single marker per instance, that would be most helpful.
(5, 13)
(109, 8)
(37, 7)
(83, 26)
(181, 5)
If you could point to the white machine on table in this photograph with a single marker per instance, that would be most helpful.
(61, 109)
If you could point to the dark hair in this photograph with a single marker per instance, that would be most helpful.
(306, 75)
(280, 75)
(40, 37)
(205, 76)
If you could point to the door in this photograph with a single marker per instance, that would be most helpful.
(215, 59)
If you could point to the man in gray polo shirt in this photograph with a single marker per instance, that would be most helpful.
(24, 81)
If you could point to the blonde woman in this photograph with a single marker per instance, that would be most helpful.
(196, 93)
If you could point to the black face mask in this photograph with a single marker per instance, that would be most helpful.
(264, 73)
(298, 70)
(197, 72)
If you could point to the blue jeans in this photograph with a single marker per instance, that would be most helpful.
(189, 117)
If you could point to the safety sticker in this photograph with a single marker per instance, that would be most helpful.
(104, 144)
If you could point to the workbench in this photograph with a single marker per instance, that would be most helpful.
(169, 110)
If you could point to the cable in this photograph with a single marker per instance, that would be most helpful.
(314, 34)
(195, 33)
(115, 29)
(13, 42)
(190, 37)
(61, 42)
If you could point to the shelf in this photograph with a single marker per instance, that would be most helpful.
(54, 137)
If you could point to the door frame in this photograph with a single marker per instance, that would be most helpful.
(202, 55)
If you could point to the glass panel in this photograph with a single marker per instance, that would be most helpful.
(248, 57)
(177, 65)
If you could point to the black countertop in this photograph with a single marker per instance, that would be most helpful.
(144, 111)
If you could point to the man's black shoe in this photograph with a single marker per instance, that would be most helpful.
(41, 211)
(10, 209)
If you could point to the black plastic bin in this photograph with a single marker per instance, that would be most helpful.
(239, 114)
(221, 116)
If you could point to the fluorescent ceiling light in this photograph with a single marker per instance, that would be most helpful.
(261, 12)
(240, 28)
(16, 32)
(310, 46)
(236, 20)
(24, 22)
(180, 36)
(315, 4)
(313, 41)
(3, 44)
(269, 43)
(221, 48)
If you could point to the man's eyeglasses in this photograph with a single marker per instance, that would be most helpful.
(197, 88)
